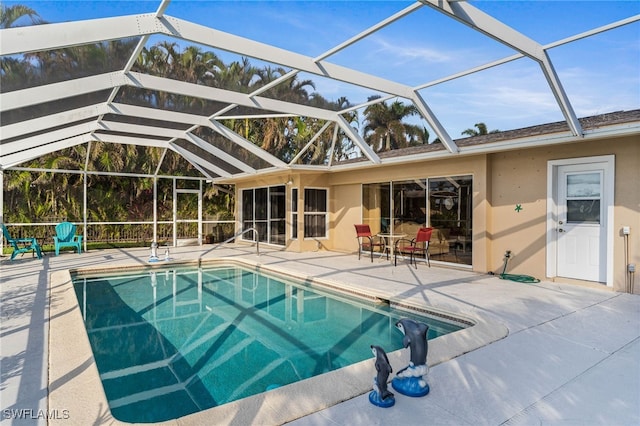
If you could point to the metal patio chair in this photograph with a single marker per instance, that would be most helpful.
(418, 245)
(367, 241)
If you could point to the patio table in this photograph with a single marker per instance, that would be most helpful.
(389, 241)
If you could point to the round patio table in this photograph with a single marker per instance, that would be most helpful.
(389, 241)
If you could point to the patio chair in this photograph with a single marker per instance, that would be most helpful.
(66, 237)
(367, 241)
(22, 245)
(418, 245)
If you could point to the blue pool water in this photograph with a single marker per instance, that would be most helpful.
(168, 343)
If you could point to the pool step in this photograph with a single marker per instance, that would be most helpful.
(153, 384)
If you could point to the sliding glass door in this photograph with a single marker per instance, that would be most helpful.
(443, 203)
(264, 209)
(450, 214)
(409, 206)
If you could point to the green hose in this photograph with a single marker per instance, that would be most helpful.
(519, 278)
(514, 277)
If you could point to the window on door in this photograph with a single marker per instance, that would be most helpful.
(583, 197)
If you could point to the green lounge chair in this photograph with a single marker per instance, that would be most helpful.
(22, 245)
(66, 237)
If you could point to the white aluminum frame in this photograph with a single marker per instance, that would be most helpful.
(15, 41)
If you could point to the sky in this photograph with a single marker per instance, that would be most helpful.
(599, 74)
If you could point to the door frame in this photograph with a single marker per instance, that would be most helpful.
(176, 192)
(608, 162)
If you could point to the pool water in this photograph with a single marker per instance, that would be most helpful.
(168, 343)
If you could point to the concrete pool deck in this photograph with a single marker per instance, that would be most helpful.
(570, 357)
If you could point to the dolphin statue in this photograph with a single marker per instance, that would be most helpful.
(415, 338)
(383, 367)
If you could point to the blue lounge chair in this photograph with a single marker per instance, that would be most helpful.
(66, 237)
(22, 245)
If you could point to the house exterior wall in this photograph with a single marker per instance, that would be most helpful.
(501, 182)
(519, 177)
(627, 211)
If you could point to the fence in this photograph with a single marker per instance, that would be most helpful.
(128, 232)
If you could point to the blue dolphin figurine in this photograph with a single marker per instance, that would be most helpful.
(383, 367)
(380, 395)
(411, 379)
(415, 338)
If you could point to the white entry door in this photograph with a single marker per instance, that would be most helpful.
(582, 224)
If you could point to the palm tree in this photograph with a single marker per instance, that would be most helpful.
(198, 66)
(280, 136)
(120, 198)
(384, 129)
(345, 147)
(237, 76)
(15, 73)
(10, 14)
(296, 91)
(481, 130)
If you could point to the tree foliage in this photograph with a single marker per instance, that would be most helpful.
(385, 127)
(480, 129)
(32, 196)
(10, 15)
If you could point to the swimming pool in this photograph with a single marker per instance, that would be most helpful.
(169, 342)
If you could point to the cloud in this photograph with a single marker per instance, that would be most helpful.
(405, 52)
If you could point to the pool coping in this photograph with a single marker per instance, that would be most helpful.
(74, 382)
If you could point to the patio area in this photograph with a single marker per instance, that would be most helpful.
(570, 356)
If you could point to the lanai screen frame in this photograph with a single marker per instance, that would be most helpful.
(15, 41)
(85, 124)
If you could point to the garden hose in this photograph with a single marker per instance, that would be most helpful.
(514, 277)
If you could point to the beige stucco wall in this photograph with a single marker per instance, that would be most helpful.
(520, 177)
(627, 211)
(501, 181)
(346, 210)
